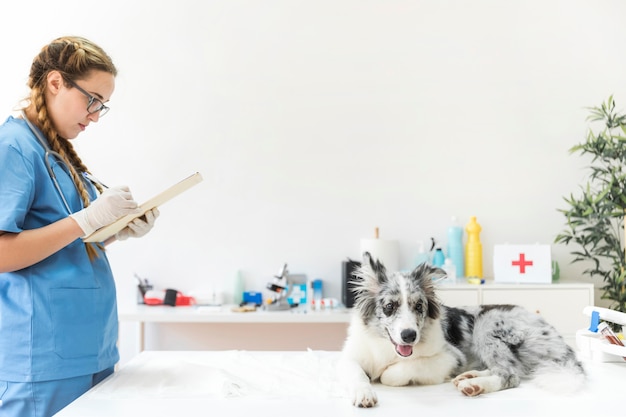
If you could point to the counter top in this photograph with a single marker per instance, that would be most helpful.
(489, 284)
(224, 314)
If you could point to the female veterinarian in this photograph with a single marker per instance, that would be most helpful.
(58, 312)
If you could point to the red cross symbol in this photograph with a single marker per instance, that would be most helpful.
(522, 263)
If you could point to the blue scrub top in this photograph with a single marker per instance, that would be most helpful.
(58, 318)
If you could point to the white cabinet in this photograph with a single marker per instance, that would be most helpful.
(459, 295)
(561, 304)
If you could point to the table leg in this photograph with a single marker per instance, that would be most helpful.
(141, 341)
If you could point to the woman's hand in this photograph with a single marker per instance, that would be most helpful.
(140, 226)
(112, 204)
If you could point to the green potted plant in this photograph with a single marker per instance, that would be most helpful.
(595, 218)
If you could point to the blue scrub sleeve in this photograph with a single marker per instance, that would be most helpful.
(16, 188)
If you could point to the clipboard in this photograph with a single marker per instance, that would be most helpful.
(105, 232)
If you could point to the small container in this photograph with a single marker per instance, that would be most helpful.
(142, 289)
(450, 269)
(318, 293)
(253, 297)
(439, 258)
(556, 271)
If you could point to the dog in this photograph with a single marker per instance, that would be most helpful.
(401, 334)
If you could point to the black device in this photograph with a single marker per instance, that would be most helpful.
(347, 276)
(170, 297)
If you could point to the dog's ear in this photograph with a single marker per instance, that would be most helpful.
(425, 270)
(425, 275)
(369, 276)
(367, 259)
(374, 267)
(367, 283)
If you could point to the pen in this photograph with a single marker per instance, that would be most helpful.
(94, 180)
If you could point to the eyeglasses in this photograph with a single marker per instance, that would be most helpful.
(94, 105)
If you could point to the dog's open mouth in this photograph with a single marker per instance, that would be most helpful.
(404, 350)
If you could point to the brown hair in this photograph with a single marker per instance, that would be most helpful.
(74, 58)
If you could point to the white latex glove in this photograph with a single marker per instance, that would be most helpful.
(140, 226)
(112, 204)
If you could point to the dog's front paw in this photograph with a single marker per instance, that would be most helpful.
(364, 397)
(473, 383)
(469, 388)
(463, 377)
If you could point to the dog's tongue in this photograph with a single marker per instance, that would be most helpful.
(404, 350)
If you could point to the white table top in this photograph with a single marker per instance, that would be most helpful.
(224, 314)
(245, 383)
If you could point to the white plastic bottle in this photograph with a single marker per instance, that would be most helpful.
(450, 269)
(421, 256)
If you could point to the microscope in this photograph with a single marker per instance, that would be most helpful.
(281, 286)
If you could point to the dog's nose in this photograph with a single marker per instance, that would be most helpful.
(408, 335)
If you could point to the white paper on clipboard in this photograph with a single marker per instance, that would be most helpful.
(105, 232)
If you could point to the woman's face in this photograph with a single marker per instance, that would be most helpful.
(67, 105)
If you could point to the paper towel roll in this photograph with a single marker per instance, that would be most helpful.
(386, 251)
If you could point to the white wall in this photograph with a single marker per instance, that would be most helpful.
(313, 122)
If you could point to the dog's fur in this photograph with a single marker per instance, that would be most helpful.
(400, 334)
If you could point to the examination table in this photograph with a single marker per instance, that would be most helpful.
(303, 383)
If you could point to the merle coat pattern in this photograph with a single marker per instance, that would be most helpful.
(401, 334)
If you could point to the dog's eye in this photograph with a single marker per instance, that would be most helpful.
(419, 307)
(389, 308)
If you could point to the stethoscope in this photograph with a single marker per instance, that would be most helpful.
(60, 161)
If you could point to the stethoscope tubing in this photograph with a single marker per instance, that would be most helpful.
(49, 153)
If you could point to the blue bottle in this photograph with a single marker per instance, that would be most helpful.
(438, 258)
(455, 247)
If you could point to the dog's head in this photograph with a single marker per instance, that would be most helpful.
(396, 305)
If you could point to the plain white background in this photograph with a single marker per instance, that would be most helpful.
(313, 122)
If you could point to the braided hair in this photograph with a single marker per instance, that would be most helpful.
(74, 58)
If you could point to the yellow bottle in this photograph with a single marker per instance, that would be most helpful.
(473, 250)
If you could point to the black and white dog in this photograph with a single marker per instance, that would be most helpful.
(400, 334)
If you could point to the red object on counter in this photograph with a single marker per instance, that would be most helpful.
(156, 297)
(185, 300)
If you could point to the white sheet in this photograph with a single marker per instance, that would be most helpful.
(244, 383)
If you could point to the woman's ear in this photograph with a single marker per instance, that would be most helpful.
(54, 82)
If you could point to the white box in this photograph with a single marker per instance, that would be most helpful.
(522, 264)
